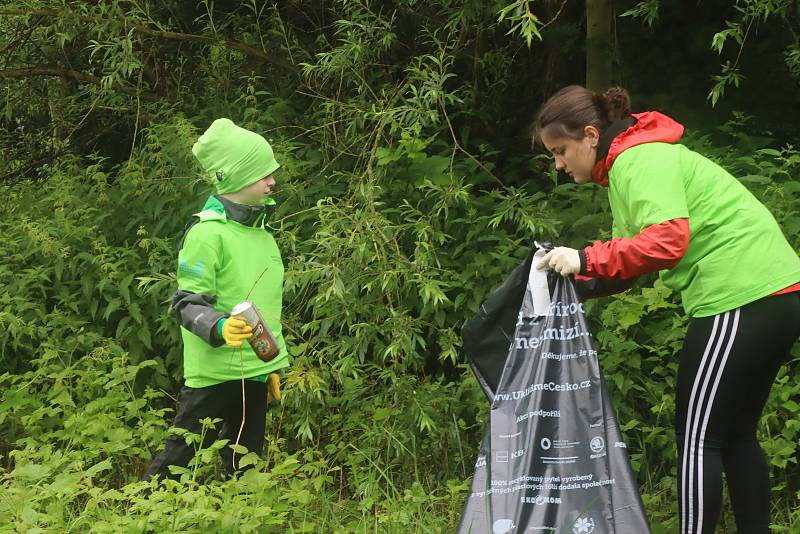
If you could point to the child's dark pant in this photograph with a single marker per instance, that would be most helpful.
(220, 401)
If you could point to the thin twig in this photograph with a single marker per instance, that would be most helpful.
(241, 426)
(315, 208)
(457, 146)
(553, 19)
(741, 47)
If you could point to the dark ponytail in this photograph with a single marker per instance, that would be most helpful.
(570, 110)
(617, 102)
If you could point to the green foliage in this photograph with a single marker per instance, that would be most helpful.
(741, 33)
(731, 75)
(750, 14)
(647, 11)
(76, 252)
(523, 21)
(83, 432)
(407, 191)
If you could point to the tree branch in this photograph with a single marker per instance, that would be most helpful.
(20, 41)
(46, 70)
(227, 43)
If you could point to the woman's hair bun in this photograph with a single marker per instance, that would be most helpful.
(618, 102)
(572, 108)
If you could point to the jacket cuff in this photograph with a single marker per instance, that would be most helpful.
(582, 256)
(592, 288)
(217, 338)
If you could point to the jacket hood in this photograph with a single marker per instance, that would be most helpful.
(647, 127)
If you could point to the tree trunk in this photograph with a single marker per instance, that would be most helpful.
(57, 92)
(599, 15)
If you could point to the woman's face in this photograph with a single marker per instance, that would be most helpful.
(575, 157)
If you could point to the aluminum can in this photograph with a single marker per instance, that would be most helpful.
(263, 341)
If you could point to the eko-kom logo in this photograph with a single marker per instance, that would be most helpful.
(583, 525)
(546, 444)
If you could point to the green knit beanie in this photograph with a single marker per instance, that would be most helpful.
(233, 157)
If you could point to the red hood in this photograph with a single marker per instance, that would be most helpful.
(650, 127)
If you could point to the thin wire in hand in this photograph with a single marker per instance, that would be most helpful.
(241, 426)
(241, 363)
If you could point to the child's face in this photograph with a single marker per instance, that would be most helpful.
(255, 193)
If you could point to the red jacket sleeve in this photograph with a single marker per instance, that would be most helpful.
(657, 247)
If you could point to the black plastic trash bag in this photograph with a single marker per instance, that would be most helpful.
(552, 459)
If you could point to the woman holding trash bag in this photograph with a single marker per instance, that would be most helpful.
(679, 213)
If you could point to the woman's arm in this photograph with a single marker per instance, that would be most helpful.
(609, 267)
(659, 246)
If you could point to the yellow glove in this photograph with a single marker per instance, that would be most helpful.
(234, 330)
(273, 387)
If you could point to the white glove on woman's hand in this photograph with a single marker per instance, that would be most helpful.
(563, 260)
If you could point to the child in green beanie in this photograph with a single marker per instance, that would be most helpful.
(227, 255)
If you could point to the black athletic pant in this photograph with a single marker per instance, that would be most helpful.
(223, 401)
(727, 367)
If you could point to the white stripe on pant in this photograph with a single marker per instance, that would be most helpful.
(695, 432)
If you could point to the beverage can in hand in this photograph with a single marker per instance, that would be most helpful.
(263, 341)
